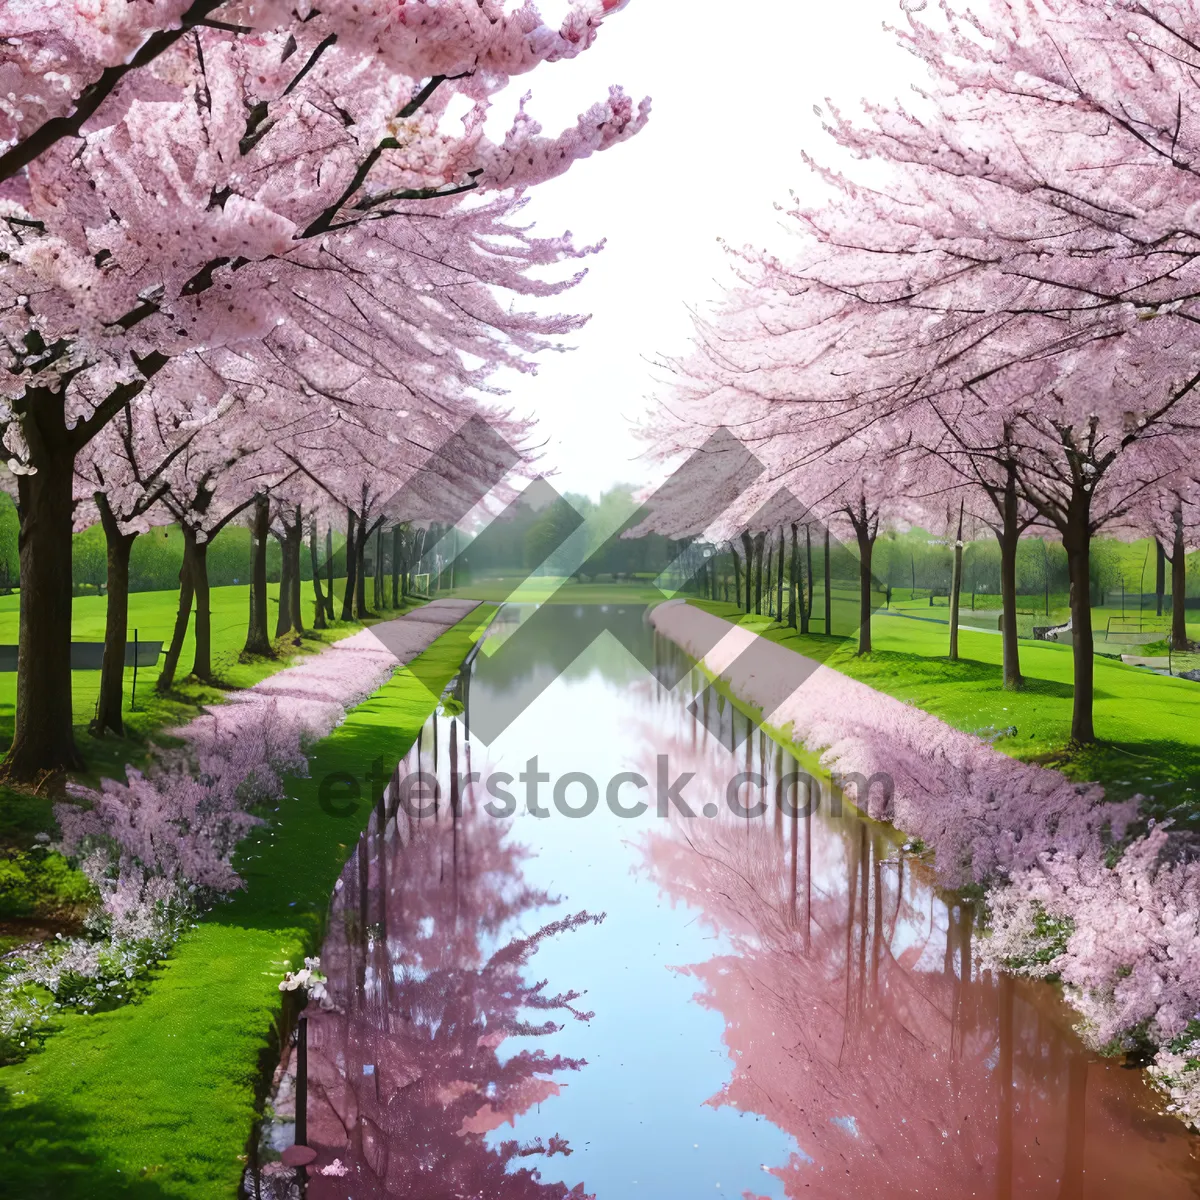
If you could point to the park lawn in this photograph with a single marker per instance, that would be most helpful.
(23, 815)
(157, 1098)
(1148, 724)
(1031, 612)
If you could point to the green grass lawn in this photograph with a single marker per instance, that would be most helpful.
(1148, 725)
(157, 1099)
(22, 815)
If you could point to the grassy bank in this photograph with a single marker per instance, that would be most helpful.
(1148, 725)
(156, 1099)
(22, 815)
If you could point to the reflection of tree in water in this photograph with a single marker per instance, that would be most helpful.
(857, 1022)
(406, 1075)
(535, 652)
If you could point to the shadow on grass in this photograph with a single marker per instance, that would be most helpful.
(1166, 773)
(46, 1150)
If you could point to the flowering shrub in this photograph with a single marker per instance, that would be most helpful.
(93, 973)
(1022, 936)
(158, 846)
(1119, 926)
(1176, 1070)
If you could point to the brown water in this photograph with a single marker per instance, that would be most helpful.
(772, 1006)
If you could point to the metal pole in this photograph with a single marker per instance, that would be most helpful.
(302, 1081)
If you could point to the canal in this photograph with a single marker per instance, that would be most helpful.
(769, 997)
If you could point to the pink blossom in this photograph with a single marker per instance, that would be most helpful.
(1124, 930)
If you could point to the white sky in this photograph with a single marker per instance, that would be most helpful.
(733, 88)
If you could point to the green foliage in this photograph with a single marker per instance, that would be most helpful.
(530, 540)
(10, 528)
(155, 559)
(157, 555)
(1048, 942)
(546, 538)
(89, 560)
(1186, 1041)
(39, 883)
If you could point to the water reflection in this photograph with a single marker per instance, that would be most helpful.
(784, 1006)
(411, 1061)
(857, 1021)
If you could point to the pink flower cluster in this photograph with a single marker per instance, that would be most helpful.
(184, 820)
(1122, 932)
(163, 839)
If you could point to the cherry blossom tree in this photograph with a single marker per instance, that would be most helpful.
(1168, 513)
(1039, 222)
(120, 482)
(213, 480)
(214, 188)
(61, 65)
(1017, 291)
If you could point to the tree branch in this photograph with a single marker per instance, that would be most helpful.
(26, 149)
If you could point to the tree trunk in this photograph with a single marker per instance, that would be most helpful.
(296, 548)
(828, 591)
(748, 549)
(866, 548)
(956, 586)
(770, 565)
(319, 621)
(258, 640)
(348, 594)
(792, 581)
(202, 664)
(283, 622)
(116, 624)
(360, 571)
(779, 581)
(1179, 637)
(759, 541)
(417, 558)
(378, 588)
(166, 679)
(1160, 576)
(1077, 538)
(329, 571)
(397, 545)
(44, 739)
(737, 576)
(1008, 535)
(806, 601)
